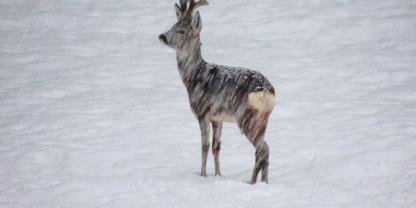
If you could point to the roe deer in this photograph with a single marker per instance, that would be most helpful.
(220, 94)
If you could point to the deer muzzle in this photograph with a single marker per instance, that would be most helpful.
(163, 38)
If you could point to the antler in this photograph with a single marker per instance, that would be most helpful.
(187, 9)
(195, 4)
(183, 4)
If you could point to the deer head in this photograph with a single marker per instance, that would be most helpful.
(184, 35)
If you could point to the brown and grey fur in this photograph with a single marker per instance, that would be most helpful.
(218, 93)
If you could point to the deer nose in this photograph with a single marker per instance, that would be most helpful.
(163, 38)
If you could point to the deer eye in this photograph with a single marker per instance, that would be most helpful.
(181, 32)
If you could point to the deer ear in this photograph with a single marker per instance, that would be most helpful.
(196, 23)
(178, 11)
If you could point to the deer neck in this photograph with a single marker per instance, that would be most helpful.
(188, 61)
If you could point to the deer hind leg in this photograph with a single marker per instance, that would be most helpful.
(205, 128)
(253, 124)
(216, 145)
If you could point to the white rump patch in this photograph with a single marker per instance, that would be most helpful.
(262, 101)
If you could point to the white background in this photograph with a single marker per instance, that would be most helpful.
(93, 112)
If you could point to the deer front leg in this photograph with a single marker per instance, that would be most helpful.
(204, 126)
(216, 145)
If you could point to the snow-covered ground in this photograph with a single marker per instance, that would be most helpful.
(93, 112)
